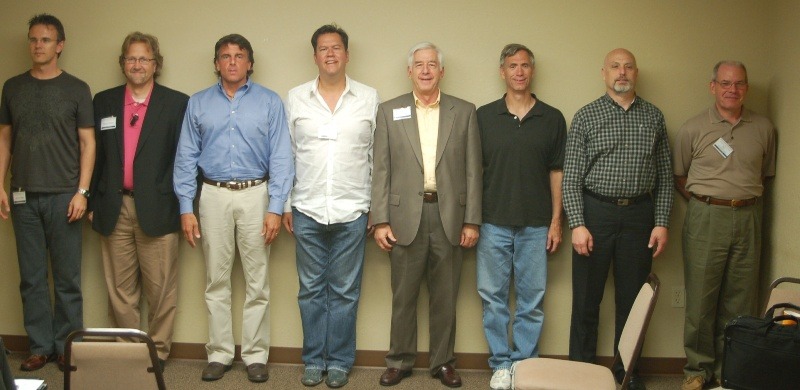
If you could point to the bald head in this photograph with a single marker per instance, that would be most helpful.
(619, 72)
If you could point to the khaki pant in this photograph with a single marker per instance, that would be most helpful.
(721, 253)
(134, 261)
(229, 218)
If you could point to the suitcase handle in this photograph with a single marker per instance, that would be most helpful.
(771, 311)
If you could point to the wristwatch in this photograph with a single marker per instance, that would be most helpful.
(84, 192)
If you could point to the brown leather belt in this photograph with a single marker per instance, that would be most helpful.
(234, 185)
(430, 197)
(618, 201)
(126, 192)
(726, 202)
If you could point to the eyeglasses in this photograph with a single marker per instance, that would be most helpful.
(141, 60)
(727, 84)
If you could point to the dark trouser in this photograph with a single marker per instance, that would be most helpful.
(40, 225)
(621, 235)
(430, 256)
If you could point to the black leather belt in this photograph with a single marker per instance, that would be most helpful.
(726, 202)
(126, 192)
(430, 197)
(235, 185)
(619, 201)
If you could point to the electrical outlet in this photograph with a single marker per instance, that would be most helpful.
(678, 297)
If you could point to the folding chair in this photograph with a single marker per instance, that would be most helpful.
(111, 364)
(558, 374)
(783, 295)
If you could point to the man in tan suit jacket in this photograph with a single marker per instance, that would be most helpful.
(426, 206)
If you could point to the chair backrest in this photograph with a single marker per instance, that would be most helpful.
(783, 295)
(111, 364)
(632, 338)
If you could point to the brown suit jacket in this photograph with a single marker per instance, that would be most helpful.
(397, 177)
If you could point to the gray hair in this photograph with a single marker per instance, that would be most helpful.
(512, 49)
(737, 64)
(425, 46)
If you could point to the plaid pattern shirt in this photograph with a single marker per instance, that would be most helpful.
(617, 153)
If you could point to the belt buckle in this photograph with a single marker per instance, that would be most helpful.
(623, 202)
(232, 185)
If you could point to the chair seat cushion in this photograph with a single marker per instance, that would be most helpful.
(557, 374)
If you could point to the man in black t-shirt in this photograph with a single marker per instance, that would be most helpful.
(46, 124)
(523, 153)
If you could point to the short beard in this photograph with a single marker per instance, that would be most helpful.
(623, 88)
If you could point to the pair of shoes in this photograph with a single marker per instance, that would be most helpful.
(393, 376)
(636, 383)
(694, 382)
(311, 377)
(448, 376)
(35, 362)
(61, 362)
(215, 370)
(501, 379)
(257, 372)
(336, 378)
(161, 364)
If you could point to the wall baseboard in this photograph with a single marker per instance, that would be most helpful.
(364, 358)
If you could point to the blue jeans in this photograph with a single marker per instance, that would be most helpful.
(40, 224)
(330, 259)
(501, 251)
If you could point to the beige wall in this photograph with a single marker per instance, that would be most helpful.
(676, 44)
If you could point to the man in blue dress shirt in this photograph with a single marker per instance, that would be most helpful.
(235, 140)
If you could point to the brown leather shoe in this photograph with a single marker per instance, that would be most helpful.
(214, 371)
(35, 362)
(393, 376)
(257, 372)
(61, 363)
(448, 375)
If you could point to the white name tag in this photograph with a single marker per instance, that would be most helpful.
(108, 123)
(328, 131)
(401, 113)
(723, 148)
(18, 197)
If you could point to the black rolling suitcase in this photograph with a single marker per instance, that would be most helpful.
(762, 353)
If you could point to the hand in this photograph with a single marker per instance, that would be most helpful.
(384, 237)
(4, 207)
(553, 236)
(191, 229)
(77, 206)
(469, 235)
(288, 222)
(582, 241)
(658, 239)
(272, 225)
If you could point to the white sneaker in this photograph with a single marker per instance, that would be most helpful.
(501, 380)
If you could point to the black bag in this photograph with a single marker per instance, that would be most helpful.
(762, 353)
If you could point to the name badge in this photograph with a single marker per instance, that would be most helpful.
(723, 148)
(328, 131)
(401, 113)
(18, 197)
(108, 123)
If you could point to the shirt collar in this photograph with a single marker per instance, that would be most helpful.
(243, 88)
(315, 87)
(129, 98)
(502, 108)
(611, 101)
(717, 118)
(418, 103)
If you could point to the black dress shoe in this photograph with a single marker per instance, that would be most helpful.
(448, 375)
(214, 371)
(257, 372)
(393, 376)
(636, 383)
